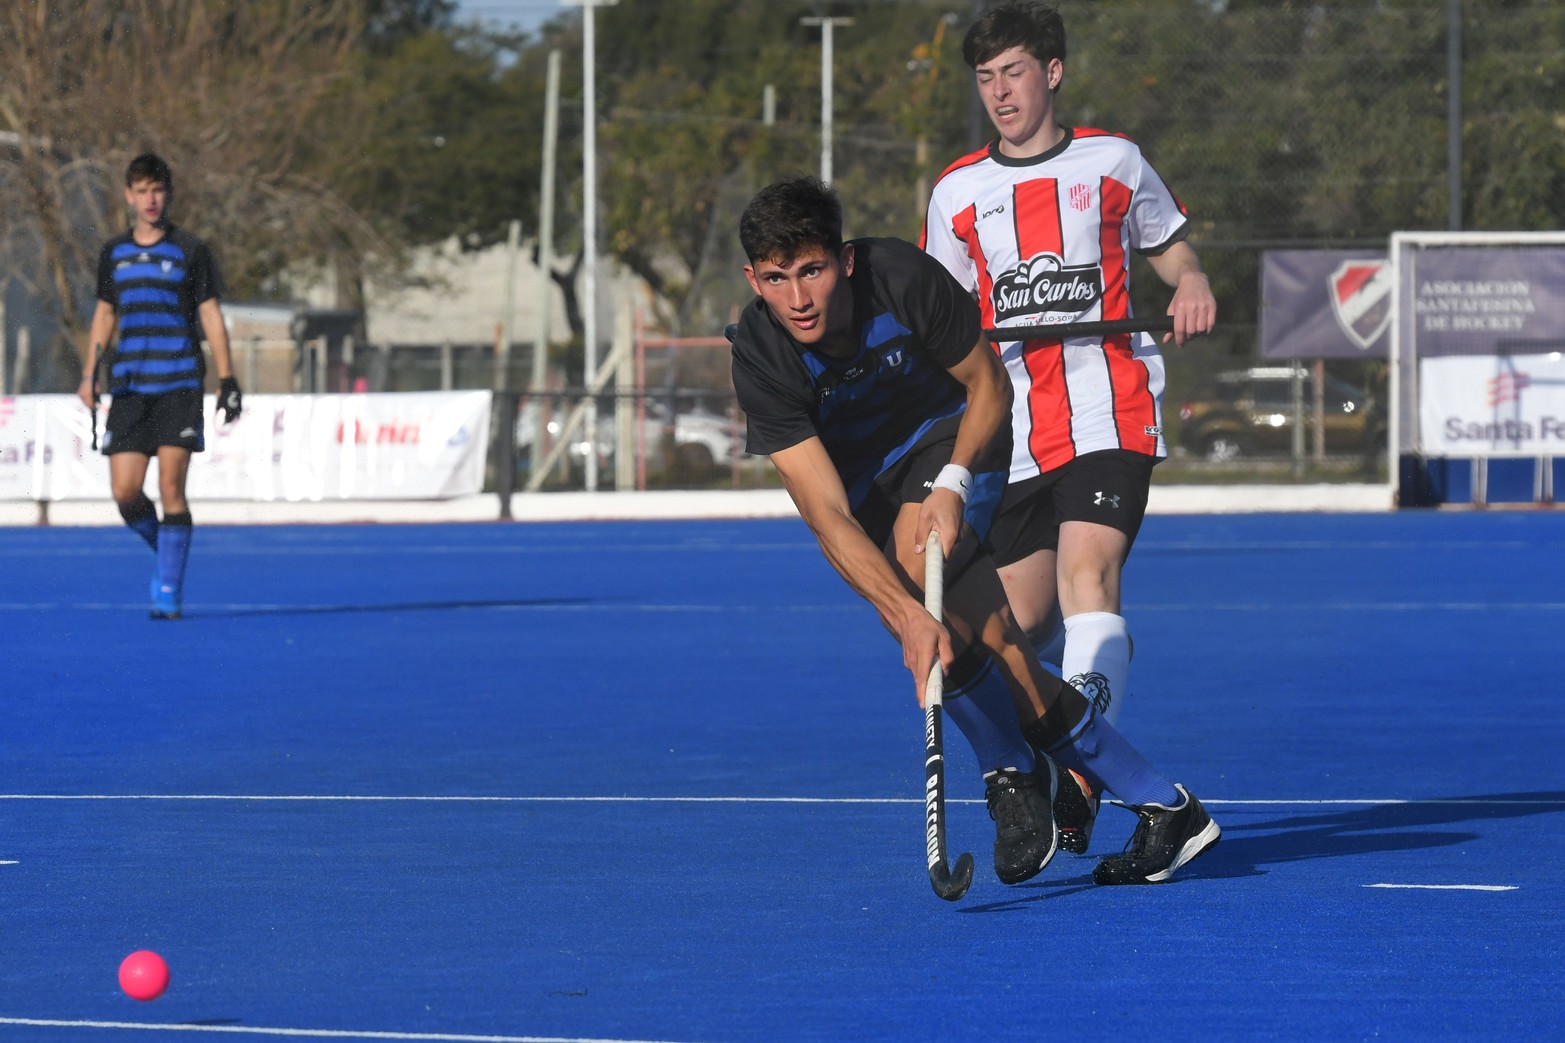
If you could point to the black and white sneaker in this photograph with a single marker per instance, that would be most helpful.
(1075, 811)
(1165, 839)
(1025, 836)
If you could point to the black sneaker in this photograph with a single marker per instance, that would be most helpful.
(1075, 812)
(1164, 840)
(1025, 836)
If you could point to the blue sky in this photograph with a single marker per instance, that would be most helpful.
(520, 14)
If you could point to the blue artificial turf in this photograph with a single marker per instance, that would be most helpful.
(662, 781)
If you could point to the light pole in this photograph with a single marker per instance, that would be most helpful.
(827, 25)
(551, 137)
(589, 224)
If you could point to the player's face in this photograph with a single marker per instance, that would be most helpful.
(1018, 94)
(148, 199)
(808, 293)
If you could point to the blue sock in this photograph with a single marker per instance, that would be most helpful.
(142, 518)
(173, 549)
(981, 708)
(1095, 749)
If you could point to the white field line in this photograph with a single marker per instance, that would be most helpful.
(246, 1030)
(1449, 887)
(371, 798)
(540, 603)
(352, 546)
(555, 606)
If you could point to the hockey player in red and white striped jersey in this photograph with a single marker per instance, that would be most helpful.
(1039, 225)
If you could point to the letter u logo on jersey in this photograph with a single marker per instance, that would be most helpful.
(894, 358)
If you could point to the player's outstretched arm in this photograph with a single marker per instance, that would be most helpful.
(1193, 308)
(811, 480)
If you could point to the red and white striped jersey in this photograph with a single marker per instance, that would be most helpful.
(1046, 239)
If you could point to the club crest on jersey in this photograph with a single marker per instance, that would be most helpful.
(1044, 284)
(1081, 197)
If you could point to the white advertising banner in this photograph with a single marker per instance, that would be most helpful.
(1492, 405)
(296, 448)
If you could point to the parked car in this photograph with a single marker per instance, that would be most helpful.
(701, 441)
(1250, 412)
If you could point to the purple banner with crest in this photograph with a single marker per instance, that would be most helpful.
(1325, 304)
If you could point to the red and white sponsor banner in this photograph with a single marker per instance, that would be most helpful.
(423, 445)
(1492, 405)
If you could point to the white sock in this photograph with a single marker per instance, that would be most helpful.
(1097, 659)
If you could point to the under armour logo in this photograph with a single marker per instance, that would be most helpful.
(1103, 500)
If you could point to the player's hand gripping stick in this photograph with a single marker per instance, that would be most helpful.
(948, 883)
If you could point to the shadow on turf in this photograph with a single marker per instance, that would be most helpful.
(404, 606)
(1247, 848)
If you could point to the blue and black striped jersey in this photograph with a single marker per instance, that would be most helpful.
(913, 321)
(156, 292)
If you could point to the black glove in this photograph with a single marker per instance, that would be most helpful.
(229, 401)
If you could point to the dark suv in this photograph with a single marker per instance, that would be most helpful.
(1250, 412)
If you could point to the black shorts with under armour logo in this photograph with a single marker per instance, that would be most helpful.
(1108, 487)
(143, 423)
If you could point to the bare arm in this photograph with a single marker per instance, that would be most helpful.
(808, 475)
(102, 328)
(988, 413)
(1193, 308)
(216, 332)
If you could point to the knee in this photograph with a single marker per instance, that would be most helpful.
(173, 494)
(1092, 587)
(128, 496)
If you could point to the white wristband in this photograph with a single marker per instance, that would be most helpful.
(954, 477)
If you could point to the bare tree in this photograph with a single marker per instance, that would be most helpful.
(250, 101)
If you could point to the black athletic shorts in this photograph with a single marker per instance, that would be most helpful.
(911, 478)
(1108, 487)
(142, 423)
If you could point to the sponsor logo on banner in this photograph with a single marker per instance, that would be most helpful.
(1479, 405)
(1360, 294)
(1045, 284)
(1508, 386)
(391, 432)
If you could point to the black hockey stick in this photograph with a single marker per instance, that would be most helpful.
(97, 364)
(1098, 327)
(949, 884)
